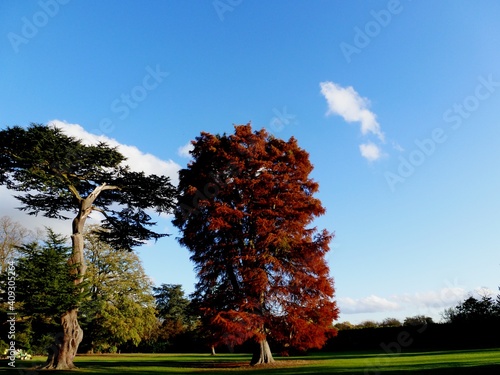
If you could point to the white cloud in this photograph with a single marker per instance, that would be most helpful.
(369, 304)
(434, 299)
(397, 146)
(370, 151)
(420, 303)
(136, 159)
(346, 102)
(184, 150)
(8, 207)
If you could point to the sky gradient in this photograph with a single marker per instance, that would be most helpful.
(397, 103)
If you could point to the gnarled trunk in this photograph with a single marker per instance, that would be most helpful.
(64, 350)
(262, 354)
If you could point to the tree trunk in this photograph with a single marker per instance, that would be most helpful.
(66, 344)
(213, 350)
(64, 350)
(262, 354)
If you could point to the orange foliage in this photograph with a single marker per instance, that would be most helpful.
(246, 203)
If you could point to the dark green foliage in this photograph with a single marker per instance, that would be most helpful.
(55, 173)
(171, 303)
(47, 161)
(367, 324)
(178, 322)
(403, 339)
(44, 283)
(418, 320)
(3, 346)
(45, 289)
(473, 310)
(391, 322)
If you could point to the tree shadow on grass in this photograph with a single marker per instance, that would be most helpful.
(166, 363)
(323, 364)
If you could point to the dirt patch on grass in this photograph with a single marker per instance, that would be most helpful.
(246, 365)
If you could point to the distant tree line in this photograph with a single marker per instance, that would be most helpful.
(388, 322)
(472, 323)
(472, 310)
(484, 310)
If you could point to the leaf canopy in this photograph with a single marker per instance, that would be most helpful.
(57, 175)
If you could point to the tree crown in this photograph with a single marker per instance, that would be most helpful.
(57, 174)
(246, 202)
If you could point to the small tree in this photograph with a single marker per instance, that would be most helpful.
(246, 205)
(58, 175)
(12, 236)
(45, 288)
(418, 320)
(367, 324)
(344, 326)
(174, 312)
(391, 322)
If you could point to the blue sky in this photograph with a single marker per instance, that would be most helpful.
(397, 103)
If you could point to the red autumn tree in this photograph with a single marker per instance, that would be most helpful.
(245, 209)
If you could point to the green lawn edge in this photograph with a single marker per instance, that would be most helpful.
(482, 361)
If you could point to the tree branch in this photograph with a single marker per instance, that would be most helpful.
(75, 192)
(92, 196)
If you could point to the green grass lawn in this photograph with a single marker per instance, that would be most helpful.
(366, 363)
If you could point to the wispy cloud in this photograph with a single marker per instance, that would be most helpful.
(369, 304)
(417, 302)
(346, 102)
(352, 107)
(442, 298)
(9, 207)
(184, 150)
(370, 151)
(396, 146)
(136, 159)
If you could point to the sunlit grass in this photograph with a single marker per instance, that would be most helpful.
(439, 362)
